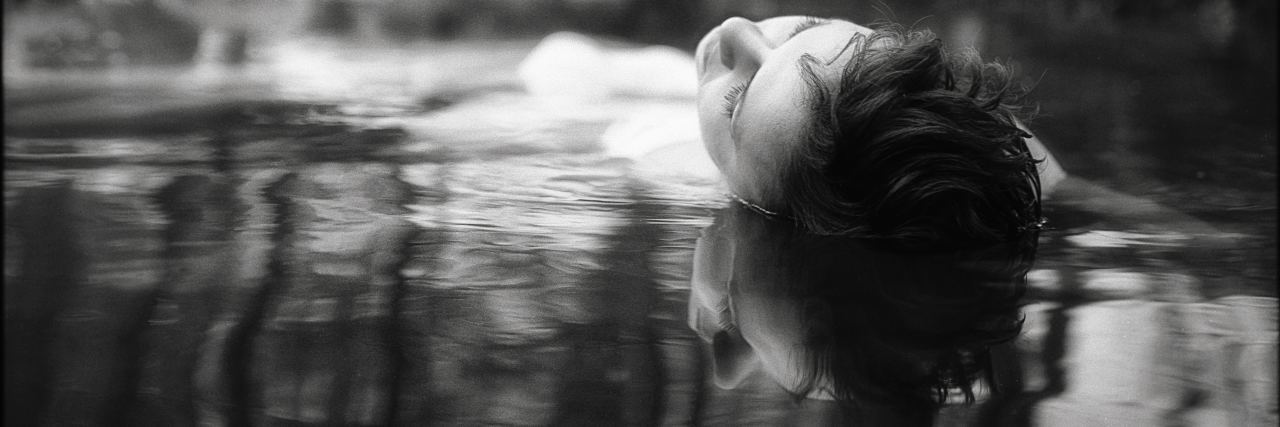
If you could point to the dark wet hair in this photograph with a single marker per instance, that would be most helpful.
(917, 146)
(889, 331)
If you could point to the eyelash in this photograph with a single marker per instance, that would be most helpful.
(809, 22)
(731, 98)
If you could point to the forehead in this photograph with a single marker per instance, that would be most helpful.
(774, 112)
(770, 322)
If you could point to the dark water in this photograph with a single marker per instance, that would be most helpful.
(322, 244)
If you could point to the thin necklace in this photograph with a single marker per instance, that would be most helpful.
(754, 206)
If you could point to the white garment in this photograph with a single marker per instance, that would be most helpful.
(573, 65)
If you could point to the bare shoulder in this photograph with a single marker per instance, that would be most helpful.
(1051, 173)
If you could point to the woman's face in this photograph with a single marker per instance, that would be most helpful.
(752, 96)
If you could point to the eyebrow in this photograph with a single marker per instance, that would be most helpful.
(742, 99)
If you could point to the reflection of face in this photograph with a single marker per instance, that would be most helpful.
(769, 323)
(751, 93)
(768, 335)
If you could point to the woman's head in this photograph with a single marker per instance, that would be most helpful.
(851, 131)
(752, 98)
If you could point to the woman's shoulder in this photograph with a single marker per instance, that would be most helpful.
(1051, 173)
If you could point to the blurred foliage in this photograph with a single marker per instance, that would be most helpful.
(92, 33)
(58, 34)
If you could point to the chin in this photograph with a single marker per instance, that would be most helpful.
(698, 52)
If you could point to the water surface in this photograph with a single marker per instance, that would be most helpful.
(401, 236)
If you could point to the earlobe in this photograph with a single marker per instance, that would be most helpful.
(733, 359)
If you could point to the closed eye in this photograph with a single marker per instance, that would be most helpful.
(731, 99)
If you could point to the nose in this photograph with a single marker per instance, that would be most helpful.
(742, 46)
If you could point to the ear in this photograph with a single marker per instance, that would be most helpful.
(733, 359)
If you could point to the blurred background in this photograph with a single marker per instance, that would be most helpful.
(1175, 76)
(89, 34)
(354, 212)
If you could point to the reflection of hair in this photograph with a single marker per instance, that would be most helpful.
(917, 145)
(889, 329)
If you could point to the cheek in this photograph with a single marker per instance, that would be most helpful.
(714, 127)
(754, 177)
